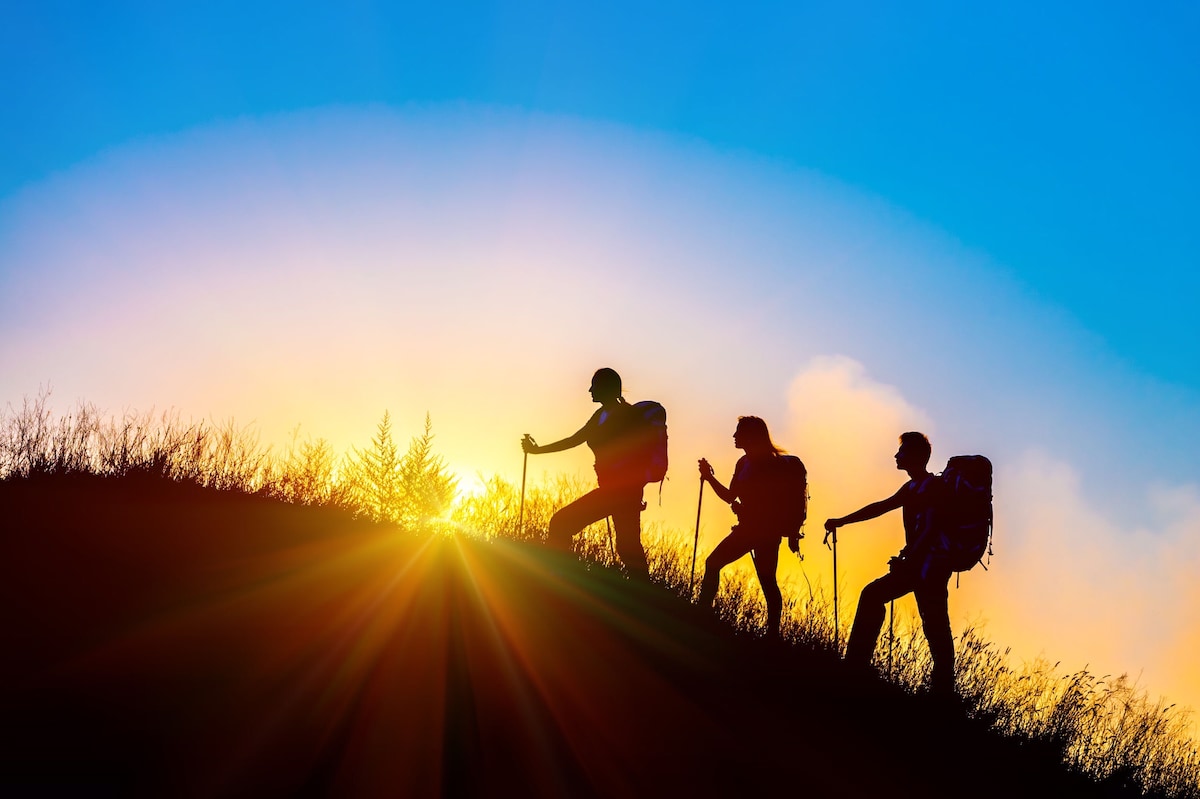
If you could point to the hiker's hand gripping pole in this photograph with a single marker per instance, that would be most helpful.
(830, 532)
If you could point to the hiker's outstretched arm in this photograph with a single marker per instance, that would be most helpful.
(867, 512)
(570, 441)
(707, 475)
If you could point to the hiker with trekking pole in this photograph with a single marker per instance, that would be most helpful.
(629, 443)
(769, 495)
(922, 567)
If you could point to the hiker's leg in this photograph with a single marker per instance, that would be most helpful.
(932, 595)
(868, 619)
(730, 549)
(766, 562)
(627, 525)
(573, 517)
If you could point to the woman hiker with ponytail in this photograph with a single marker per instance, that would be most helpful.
(765, 483)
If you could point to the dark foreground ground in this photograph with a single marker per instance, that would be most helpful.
(163, 640)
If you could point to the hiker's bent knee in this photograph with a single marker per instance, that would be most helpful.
(869, 595)
(631, 550)
(714, 563)
(560, 532)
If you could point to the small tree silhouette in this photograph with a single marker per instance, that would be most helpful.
(426, 484)
(411, 490)
(371, 477)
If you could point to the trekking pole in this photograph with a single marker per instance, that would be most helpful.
(837, 629)
(891, 633)
(521, 513)
(696, 541)
(837, 626)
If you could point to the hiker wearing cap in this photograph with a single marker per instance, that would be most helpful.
(921, 568)
(767, 493)
(620, 475)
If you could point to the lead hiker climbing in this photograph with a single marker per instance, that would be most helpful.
(769, 494)
(629, 443)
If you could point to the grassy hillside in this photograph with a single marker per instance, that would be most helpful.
(164, 639)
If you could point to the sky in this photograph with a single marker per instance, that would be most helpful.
(849, 219)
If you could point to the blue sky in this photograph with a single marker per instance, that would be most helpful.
(1057, 138)
(849, 219)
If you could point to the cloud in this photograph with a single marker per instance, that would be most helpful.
(845, 426)
(848, 424)
(1069, 582)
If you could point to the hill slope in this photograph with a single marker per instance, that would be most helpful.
(164, 639)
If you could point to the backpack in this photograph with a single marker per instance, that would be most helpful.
(964, 511)
(773, 493)
(793, 495)
(649, 430)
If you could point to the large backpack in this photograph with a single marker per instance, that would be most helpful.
(650, 432)
(793, 495)
(773, 492)
(964, 511)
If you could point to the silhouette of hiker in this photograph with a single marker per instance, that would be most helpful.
(755, 494)
(619, 474)
(921, 567)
